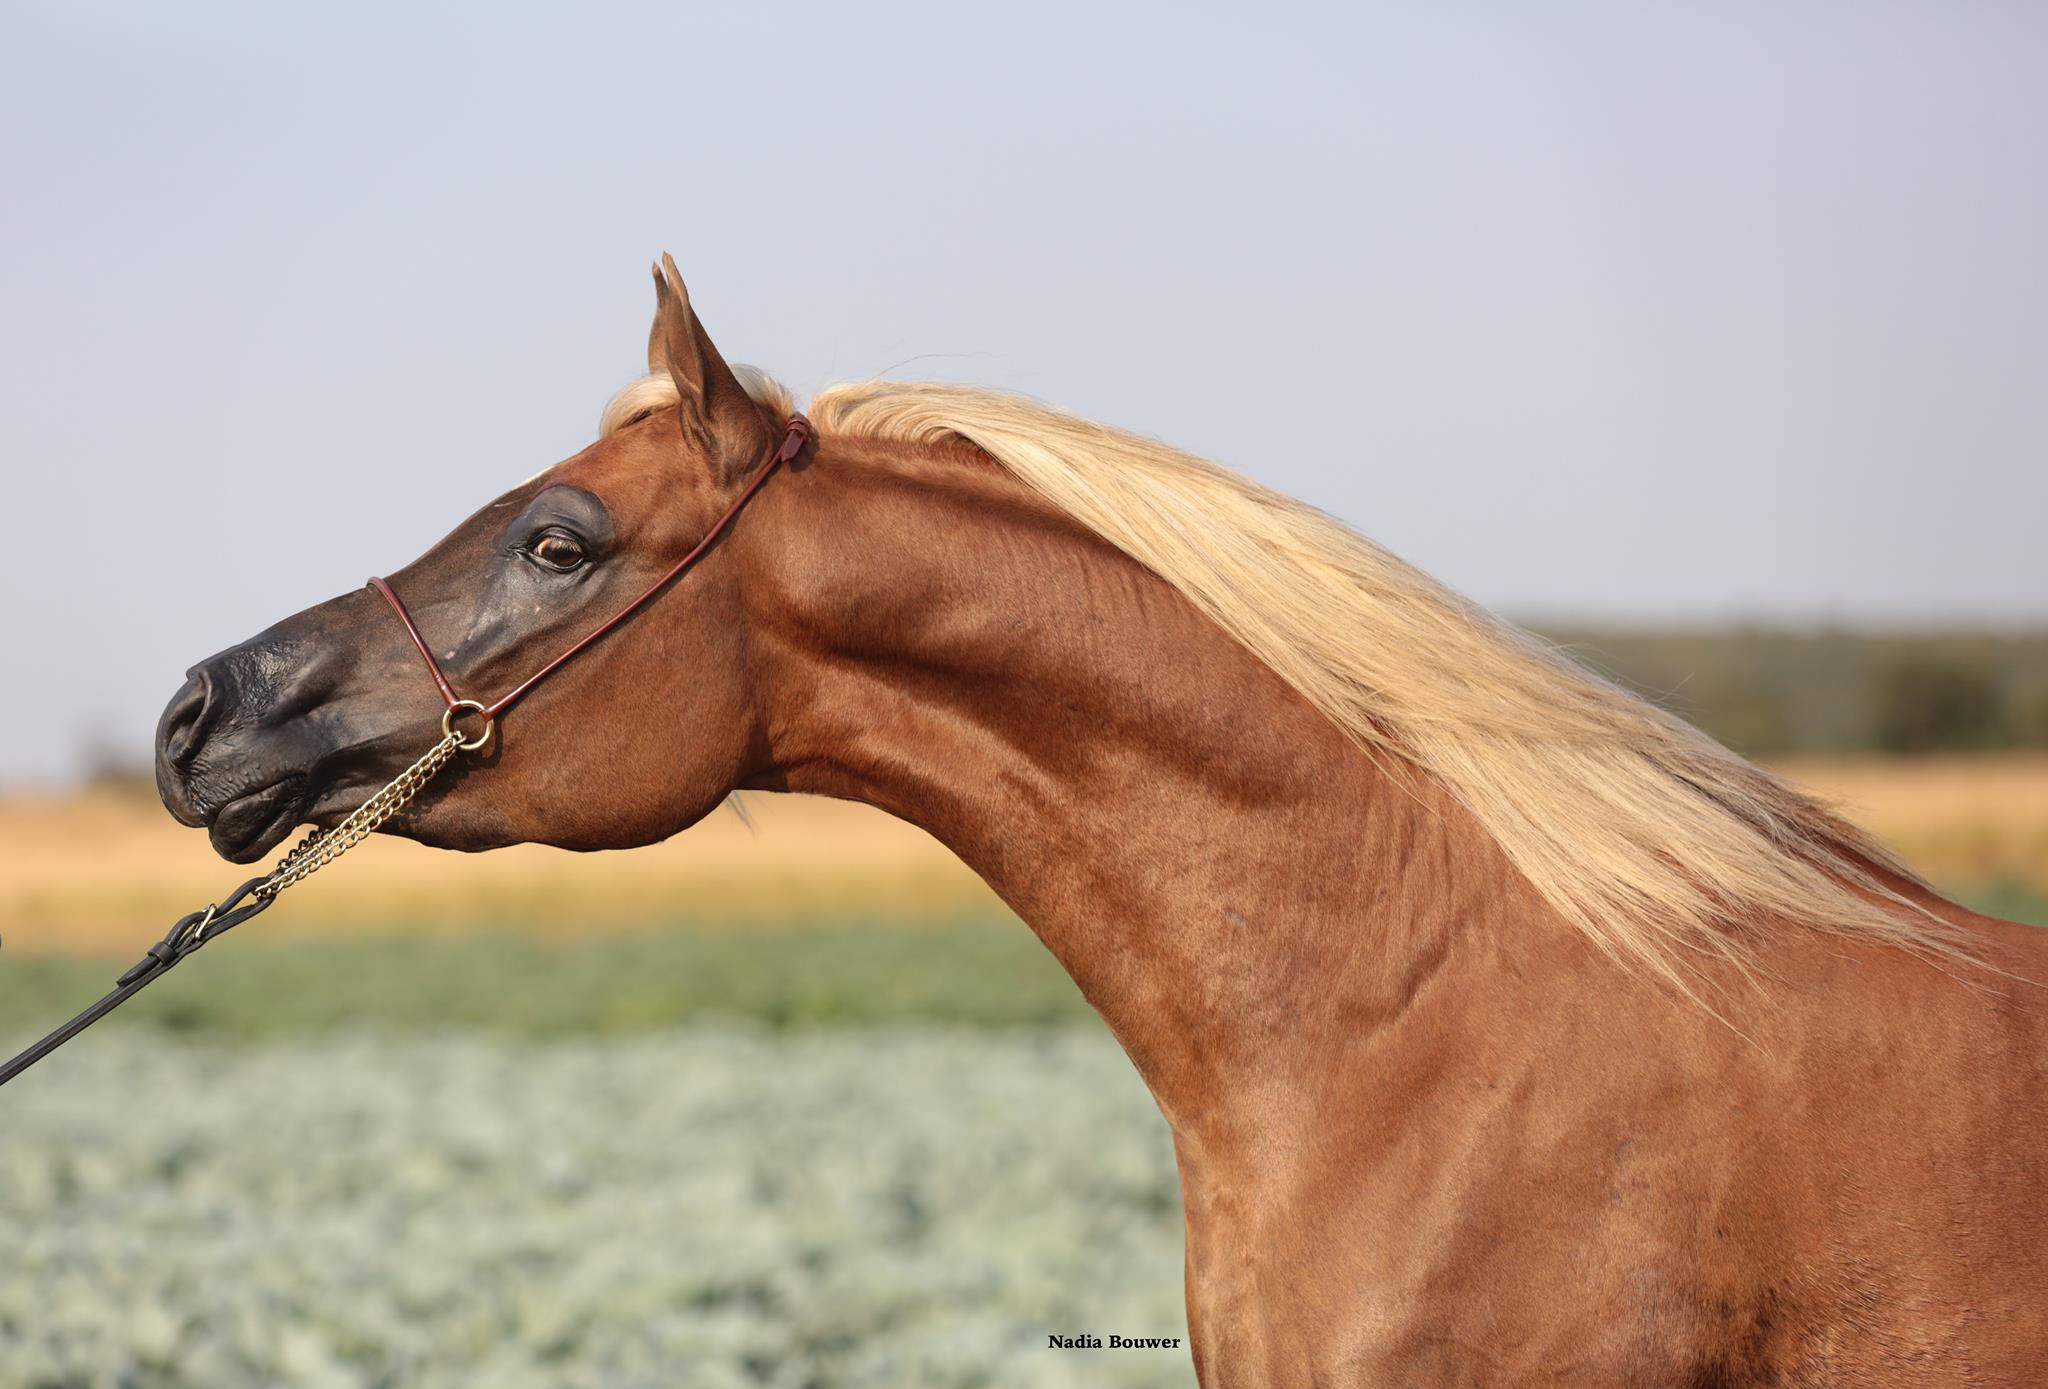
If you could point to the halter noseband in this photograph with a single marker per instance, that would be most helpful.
(321, 847)
(792, 443)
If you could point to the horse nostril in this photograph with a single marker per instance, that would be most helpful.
(187, 718)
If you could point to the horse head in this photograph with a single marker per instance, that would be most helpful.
(302, 721)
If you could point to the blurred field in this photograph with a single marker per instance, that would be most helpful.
(796, 977)
(704, 1208)
(95, 873)
(1966, 823)
(793, 1105)
(820, 914)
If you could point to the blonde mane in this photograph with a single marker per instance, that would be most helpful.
(1662, 846)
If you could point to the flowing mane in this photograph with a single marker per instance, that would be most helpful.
(1664, 847)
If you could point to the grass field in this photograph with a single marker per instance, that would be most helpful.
(819, 915)
(701, 1207)
(979, 971)
(95, 874)
(795, 1106)
(89, 873)
(1965, 822)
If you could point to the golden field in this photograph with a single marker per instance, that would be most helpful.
(1962, 821)
(99, 872)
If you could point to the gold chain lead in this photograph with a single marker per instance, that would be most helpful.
(320, 848)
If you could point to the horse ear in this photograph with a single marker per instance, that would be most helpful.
(714, 408)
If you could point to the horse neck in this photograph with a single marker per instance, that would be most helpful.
(1239, 890)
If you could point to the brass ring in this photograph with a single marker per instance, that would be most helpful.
(448, 725)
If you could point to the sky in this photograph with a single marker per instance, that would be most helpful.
(1688, 313)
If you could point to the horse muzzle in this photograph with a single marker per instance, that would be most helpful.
(234, 753)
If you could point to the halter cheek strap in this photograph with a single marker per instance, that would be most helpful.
(792, 443)
(321, 847)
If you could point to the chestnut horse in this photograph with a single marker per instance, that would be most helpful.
(1510, 1031)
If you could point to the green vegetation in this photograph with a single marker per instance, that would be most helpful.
(2013, 901)
(984, 973)
(989, 974)
(1777, 691)
(714, 1207)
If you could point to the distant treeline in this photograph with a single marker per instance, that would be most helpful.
(1769, 691)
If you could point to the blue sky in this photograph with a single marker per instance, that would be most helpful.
(1687, 312)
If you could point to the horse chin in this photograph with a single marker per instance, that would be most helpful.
(253, 824)
(427, 821)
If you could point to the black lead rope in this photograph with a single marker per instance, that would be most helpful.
(312, 853)
(187, 934)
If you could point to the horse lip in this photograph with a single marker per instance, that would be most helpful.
(254, 822)
(177, 799)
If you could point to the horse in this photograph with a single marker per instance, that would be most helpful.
(1510, 1030)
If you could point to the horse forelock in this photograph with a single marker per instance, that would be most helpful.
(641, 398)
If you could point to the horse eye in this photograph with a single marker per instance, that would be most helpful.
(558, 551)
